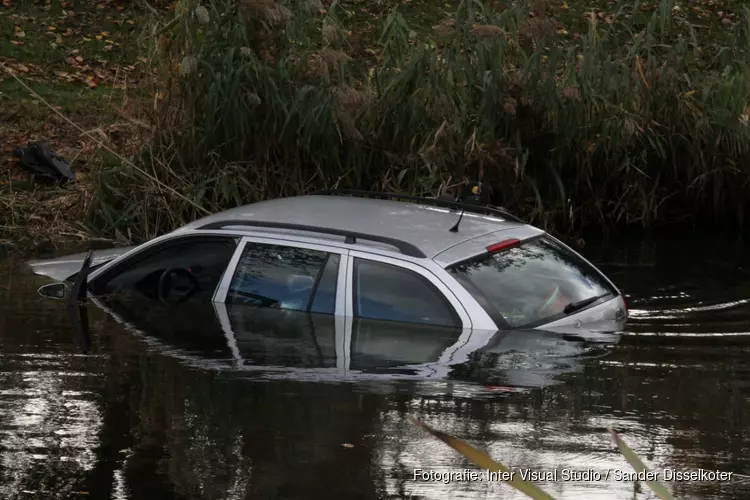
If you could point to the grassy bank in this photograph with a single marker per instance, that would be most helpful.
(578, 114)
(81, 58)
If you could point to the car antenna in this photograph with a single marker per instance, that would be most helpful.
(474, 199)
(454, 229)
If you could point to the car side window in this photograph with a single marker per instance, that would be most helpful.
(196, 263)
(282, 277)
(387, 292)
(377, 344)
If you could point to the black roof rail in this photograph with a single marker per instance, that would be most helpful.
(351, 236)
(421, 200)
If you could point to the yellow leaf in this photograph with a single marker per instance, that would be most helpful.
(51, 28)
(483, 461)
(639, 467)
(639, 67)
(564, 6)
(98, 37)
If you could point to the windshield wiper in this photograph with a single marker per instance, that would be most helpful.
(575, 306)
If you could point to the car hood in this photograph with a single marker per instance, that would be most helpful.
(62, 268)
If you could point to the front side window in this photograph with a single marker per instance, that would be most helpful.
(175, 271)
(534, 283)
(284, 277)
(386, 292)
(166, 290)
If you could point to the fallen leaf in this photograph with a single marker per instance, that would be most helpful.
(20, 33)
(347, 445)
(51, 28)
(98, 37)
(62, 74)
(107, 48)
(79, 59)
(58, 40)
(16, 42)
(23, 68)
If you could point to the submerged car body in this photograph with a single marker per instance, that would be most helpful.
(290, 345)
(357, 258)
(329, 287)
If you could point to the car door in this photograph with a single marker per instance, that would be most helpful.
(181, 313)
(399, 314)
(282, 304)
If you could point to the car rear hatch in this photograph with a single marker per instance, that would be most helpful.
(524, 278)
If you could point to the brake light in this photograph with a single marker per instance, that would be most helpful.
(625, 303)
(509, 243)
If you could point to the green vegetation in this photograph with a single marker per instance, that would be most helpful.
(576, 113)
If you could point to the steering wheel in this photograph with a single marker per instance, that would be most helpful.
(165, 288)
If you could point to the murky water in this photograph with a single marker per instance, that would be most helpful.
(143, 417)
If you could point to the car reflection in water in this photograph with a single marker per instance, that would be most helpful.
(273, 343)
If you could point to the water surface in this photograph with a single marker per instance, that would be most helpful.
(144, 417)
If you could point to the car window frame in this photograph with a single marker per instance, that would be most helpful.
(223, 289)
(138, 255)
(458, 306)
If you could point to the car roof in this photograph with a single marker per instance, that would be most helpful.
(425, 227)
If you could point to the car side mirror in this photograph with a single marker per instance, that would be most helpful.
(57, 291)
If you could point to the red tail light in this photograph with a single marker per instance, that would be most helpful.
(625, 302)
(509, 243)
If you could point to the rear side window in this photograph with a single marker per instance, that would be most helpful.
(386, 292)
(378, 344)
(532, 284)
(283, 277)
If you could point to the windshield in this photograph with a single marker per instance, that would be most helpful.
(536, 282)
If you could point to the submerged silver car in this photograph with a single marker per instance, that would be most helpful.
(361, 256)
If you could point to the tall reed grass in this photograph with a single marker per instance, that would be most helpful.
(265, 98)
